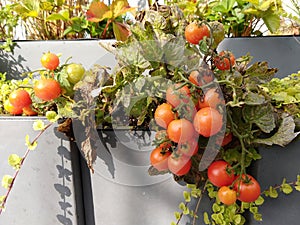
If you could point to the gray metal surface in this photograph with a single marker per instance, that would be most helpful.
(44, 191)
(282, 52)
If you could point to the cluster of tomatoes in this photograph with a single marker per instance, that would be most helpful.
(47, 88)
(243, 187)
(186, 116)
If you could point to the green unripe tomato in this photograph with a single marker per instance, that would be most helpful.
(218, 33)
(75, 72)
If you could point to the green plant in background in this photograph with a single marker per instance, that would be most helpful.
(239, 17)
(60, 19)
(8, 23)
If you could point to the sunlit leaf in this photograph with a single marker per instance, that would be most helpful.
(120, 7)
(6, 181)
(98, 11)
(121, 31)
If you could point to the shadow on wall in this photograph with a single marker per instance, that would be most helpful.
(12, 64)
(62, 188)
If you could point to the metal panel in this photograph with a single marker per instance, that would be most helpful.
(44, 191)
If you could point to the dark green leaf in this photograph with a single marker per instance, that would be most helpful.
(261, 115)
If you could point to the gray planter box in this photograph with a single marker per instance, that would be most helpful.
(47, 187)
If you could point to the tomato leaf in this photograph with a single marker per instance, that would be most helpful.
(262, 116)
(98, 11)
(284, 135)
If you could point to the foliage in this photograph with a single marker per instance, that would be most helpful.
(51, 20)
(256, 108)
(240, 17)
(8, 22)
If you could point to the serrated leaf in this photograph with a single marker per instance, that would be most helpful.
(216, 207)
(15, 161)
(187, 196)
(38, 125)
(254, 99)
(261, 115)
(7, 181)
(284, 135)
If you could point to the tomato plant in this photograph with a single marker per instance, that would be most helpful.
(201, 76)
(208, 121)
(164, 114)
(225, 60)
(220, 173)
(179, 164)
(75, 72)
(213, 97)
(247, 188)
(180, 130)
(47, 89)
(20, 98)
(50, 61)
(28, 111)
(159, 158)
(176, 95)
(188, 148)
(226, 195)
(194, 32)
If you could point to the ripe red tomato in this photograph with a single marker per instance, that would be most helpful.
(208, 121)
(176, 96)
(180, 130)
(50, 61)
(226, 195)
(164, 114)
(159, 158)
(12, 109)
(224, 60)
(220, 173)
(200, 78)
(213, 97)
(47, 89)
(179, 164)
(195, 33)
(188, 148)
(20, 98)
(75, 72)
(247, 188)
(28, 111)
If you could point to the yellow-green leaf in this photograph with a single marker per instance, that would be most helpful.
(6, 181)
(15, 161)
(120, 7)
(38, 125)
